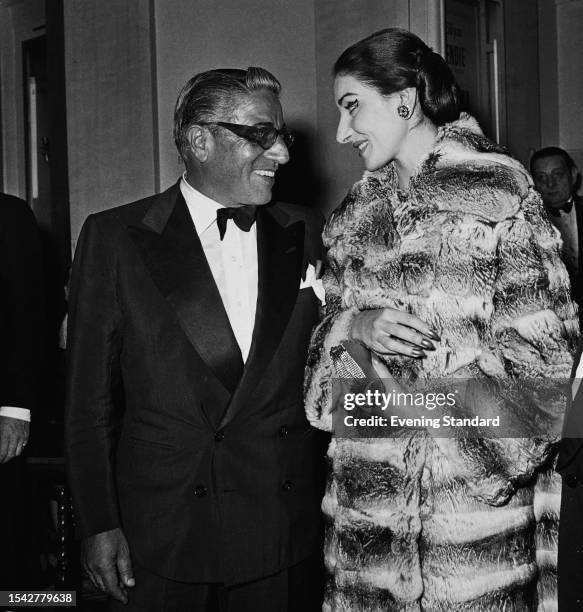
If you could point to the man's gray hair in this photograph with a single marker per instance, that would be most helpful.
(213, 96)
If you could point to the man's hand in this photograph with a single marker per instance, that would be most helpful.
(13, 437)
(393, 332)
(106, 558)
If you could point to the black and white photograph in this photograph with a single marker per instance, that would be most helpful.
(290, 305)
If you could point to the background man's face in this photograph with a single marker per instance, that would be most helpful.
(553, 180)
(239, 171)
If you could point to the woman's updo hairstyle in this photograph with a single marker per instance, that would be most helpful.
(394, 59)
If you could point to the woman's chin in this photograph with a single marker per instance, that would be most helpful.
(372, 165)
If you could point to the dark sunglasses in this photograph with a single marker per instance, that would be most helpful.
(264, 136)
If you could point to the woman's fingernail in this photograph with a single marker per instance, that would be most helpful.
(433, 334)
(417, 353)
(428, 345)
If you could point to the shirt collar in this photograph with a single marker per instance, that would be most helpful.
(567, 210)
(203, 209)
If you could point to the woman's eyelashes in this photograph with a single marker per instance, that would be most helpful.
(351, 107)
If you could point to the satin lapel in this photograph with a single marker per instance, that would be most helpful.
(279, 253)
(572, 427)
(171, 249)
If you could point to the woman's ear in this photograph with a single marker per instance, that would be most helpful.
(408, 97)
(409, 105)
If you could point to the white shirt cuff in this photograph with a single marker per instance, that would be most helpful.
(15, 413)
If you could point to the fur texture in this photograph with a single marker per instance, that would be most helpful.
(418, 522)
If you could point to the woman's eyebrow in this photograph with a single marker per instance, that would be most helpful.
(344, 96)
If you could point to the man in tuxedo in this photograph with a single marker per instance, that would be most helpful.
(556, 178)
(21, 345)
(196, 478)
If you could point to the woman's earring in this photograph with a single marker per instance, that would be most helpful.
(403, 111)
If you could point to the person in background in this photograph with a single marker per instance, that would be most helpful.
(570, 466)
(556, 178)
(440, 260)
(195, 476)
(22, 338)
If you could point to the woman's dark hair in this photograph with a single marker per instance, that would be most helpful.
(392, 60)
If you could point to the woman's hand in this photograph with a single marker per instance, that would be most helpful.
(393, 332)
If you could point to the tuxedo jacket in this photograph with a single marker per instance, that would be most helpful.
(575, 276)
(572, 443)
(570, 465)
(577, 281)
(208, 465)
(570, 459)
(22, 308)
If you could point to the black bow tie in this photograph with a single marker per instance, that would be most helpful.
(566, 208)
(243, 216)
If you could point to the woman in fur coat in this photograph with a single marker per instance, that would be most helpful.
(440, 261)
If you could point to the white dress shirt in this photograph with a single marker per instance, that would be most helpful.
(566, 223)
(233, 263)
(16, 413)
(577, 379)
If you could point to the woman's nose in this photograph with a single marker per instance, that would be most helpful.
(344, 131)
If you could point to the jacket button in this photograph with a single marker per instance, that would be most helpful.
(571, 480)
(200, 491)
(220, 436)
(283, 431)
(287, 485)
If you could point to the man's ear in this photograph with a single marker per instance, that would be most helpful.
(200, 142)
(574, 175)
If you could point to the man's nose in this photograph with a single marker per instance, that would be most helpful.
(344, 131)
(278, 152)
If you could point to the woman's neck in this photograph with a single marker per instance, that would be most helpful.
(420, 141)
